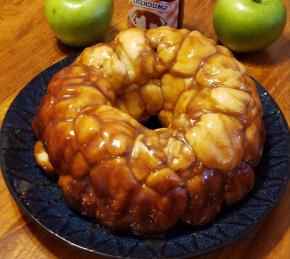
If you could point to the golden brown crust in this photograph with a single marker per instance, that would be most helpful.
(131, 177)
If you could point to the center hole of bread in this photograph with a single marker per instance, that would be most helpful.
(153, 122)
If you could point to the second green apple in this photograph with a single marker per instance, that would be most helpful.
(249, 25)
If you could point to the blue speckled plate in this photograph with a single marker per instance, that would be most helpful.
(42, 200)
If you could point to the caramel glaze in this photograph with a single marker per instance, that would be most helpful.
(130, 177)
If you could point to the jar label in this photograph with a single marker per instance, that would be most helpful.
(153, 13)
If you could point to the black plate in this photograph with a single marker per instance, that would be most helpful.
(42, 200)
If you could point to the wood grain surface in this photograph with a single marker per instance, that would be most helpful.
(28, 46)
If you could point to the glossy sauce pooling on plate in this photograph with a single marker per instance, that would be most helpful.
(133, 178)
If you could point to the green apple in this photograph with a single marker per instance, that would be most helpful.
(79, 22)
(249, 25)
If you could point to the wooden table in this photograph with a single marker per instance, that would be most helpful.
(28, 46)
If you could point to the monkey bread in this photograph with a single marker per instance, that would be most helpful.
(110, 166)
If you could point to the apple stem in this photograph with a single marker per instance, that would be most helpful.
(257, 1)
